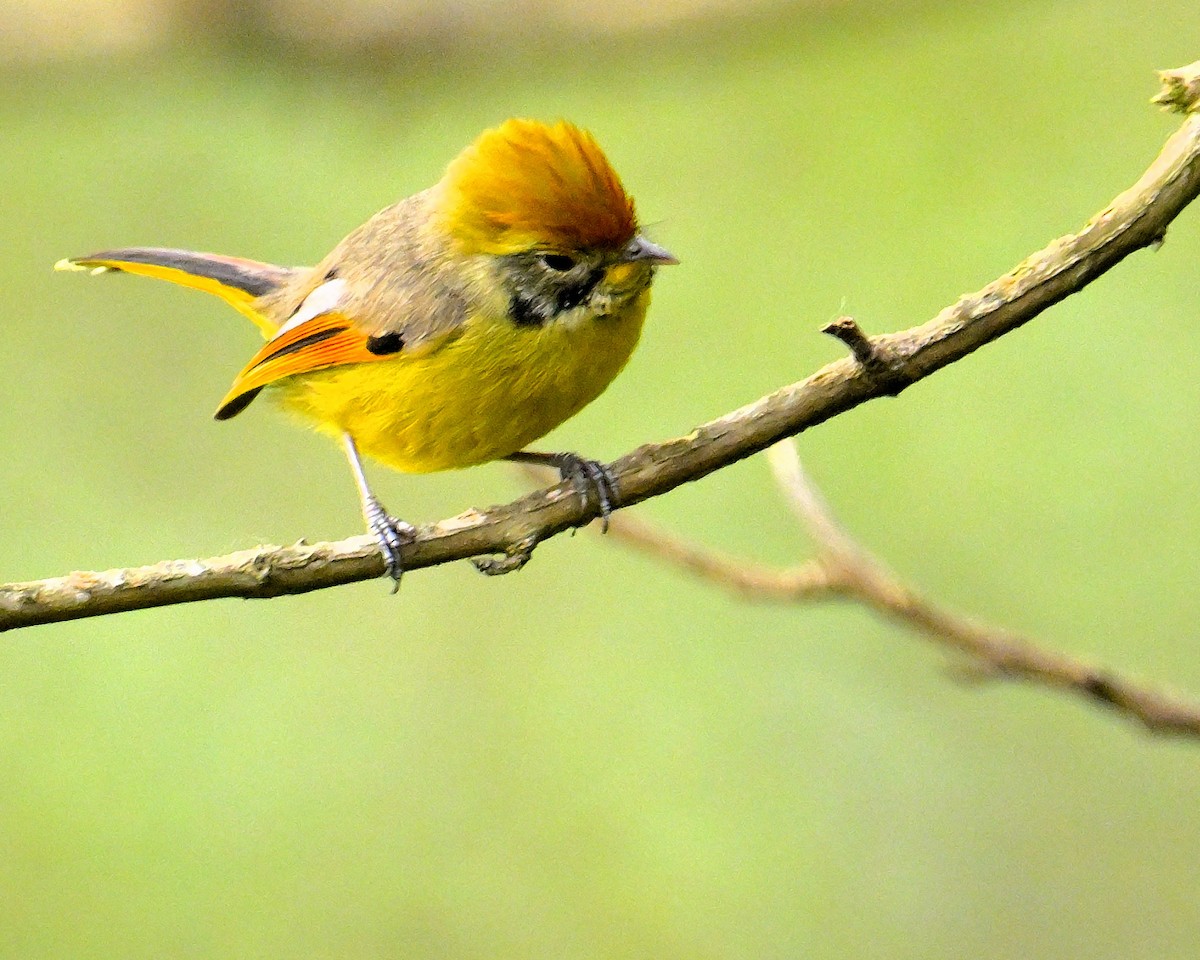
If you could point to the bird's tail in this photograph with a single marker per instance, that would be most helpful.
(236, 281)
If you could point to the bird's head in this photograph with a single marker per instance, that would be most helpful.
(542, 204)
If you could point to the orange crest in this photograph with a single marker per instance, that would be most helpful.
(528, 184)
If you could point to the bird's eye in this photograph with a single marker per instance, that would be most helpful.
(558, 261)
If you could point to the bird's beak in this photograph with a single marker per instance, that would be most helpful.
(642, 249)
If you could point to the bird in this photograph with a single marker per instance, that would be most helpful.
(453, 328)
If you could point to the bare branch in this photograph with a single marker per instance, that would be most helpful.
(873, 356)
(1137, 218)
(1180, 89)
(995, 652)
(806, 582)
(844, 570)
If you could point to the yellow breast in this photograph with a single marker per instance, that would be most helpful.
(488, 392)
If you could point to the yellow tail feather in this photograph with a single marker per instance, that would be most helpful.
(238, 282)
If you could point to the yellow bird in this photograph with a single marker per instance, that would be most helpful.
(454, 327)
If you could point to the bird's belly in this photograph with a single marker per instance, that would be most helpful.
(489, 392)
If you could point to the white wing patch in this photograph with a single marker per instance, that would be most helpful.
(325, 298)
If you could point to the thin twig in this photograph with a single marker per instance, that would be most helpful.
(997, 652)
(805, 582)
(1135, 219)
(874, 356)
(843, 569)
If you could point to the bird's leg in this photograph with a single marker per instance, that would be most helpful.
(588, 477)
(391, 533)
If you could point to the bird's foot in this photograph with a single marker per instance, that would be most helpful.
(591, 479)
(392, 534)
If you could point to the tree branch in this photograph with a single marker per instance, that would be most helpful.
(1137, 218)
(856, 573)
(844, 570)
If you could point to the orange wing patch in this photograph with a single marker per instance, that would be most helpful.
(327, 340)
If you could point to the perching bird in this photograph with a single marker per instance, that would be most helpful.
(454, 327)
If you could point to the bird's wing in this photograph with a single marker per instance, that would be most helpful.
(332, 327)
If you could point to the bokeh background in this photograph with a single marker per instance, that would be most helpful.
(598, 757)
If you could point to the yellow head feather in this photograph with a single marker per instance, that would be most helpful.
(527, 184)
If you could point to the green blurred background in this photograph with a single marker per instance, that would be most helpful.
(598, 757)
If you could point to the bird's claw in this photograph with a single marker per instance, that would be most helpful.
(392, 535)
(590, 478)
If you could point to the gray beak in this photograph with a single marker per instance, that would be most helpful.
(642, 249)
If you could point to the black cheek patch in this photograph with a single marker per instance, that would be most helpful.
(570, 297)
(524, 312)
(385, 343)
